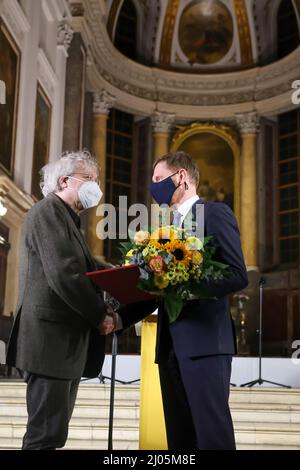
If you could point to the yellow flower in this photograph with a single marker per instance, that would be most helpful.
(166, 233)
(195, 272)
(194, 243)
(149, 251)
(197, 257)
(141, 237)
(161, 281)
(177, 273)
(129, 254)
(178, 249)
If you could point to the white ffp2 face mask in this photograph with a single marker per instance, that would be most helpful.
(89, 193)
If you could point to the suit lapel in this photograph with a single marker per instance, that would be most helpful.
(83, 244)
(80, 238)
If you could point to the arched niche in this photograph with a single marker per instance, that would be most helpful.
(216, 148)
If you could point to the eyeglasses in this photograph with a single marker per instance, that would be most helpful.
(87, 177)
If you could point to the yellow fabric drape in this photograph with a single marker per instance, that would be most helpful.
(152, 424)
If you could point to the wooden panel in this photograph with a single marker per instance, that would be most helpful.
(75, 95)
(41, 139)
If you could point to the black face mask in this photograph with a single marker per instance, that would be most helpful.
(163, 191)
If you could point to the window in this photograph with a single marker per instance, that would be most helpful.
(288, 187)
(287, 29)
(119, 167)
(119, 163)
(126, 30)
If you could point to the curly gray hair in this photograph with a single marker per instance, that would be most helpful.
(68, 163)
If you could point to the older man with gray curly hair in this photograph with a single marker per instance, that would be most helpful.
(61, 319)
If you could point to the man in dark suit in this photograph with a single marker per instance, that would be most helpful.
(60, 316)
(194, 353)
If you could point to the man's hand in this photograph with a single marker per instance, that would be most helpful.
(110, 321)
(107, 326)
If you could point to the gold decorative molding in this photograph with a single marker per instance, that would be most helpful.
(168, 32)
(244, 31)
(138, 88)
(226, 133)
(112, 17)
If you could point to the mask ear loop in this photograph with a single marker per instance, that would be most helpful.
(186, 186)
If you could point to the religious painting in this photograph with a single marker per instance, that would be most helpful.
(9, 75)
(216, 164)
(41, 139)
(205, 31)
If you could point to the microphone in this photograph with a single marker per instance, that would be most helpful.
(262, 281)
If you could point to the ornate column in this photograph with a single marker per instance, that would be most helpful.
(64, 38)
(249, 126)
(162, 123)
(103, 102)
(75, 89)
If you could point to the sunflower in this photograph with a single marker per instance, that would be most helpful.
(178, 249)
(164, 234)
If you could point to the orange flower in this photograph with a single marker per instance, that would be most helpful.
(157, 264)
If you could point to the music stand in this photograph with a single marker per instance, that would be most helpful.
(112, 390)
(260, 380)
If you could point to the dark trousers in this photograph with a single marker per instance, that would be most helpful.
(195, 394)
(50, 404)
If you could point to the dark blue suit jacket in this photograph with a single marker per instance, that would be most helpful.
(204, 327)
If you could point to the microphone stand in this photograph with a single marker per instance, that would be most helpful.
(260, 380)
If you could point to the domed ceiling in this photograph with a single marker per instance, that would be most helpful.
(201, 35)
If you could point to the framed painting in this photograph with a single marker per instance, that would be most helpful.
(41, 145)
(205, 31)
(216, 162)
(9, 74)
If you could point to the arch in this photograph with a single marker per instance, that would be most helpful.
(229, 135)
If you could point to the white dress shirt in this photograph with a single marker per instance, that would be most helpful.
(185, 207)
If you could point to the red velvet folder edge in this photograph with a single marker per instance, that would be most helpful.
(121, 283)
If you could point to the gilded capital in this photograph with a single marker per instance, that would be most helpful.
(77, 9)
(103, 102)
(64, 34)
(162, 122)
(248, 123)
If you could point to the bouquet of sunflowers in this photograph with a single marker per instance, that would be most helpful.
(173, 264)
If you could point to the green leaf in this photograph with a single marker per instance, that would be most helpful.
(127, 245)
(124, 247)
(173, 305)
(217, 264)
(167, 257)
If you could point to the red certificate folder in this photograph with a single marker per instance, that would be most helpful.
(121, 283)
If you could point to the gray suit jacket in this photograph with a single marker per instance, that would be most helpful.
(59, 308)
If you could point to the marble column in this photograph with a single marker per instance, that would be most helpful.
(249, 127)
(162, 123)
(102, 104)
